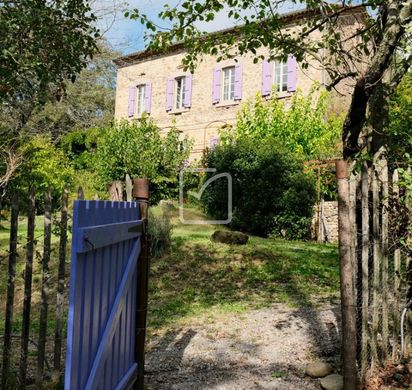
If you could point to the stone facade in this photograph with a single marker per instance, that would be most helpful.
(325, 222)
(203, 119)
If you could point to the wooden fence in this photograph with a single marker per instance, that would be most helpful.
(34, 334)
(41, 350)
(379, 263)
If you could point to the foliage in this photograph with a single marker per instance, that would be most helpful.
(400, 122)
(58, 37)
(304, 128)
(403, 227)
(140, 150)
(271, 194)
(79, 146)
(160, 233)
(44, 45)
(87, 103)
(44, 165)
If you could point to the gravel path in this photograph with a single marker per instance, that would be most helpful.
(261, 349)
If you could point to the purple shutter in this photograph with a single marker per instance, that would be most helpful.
(188, 91)
(238, 81)
(169, 94)
(148, 97)
(267, 78)
(217, 85)
(132, 101)
(214, 141)
(292, 69)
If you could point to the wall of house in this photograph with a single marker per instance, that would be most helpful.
(203, 119)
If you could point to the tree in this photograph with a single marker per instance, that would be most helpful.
(375, 56)
(44, 44)
(87, 103)
(138, 149)
(306, 128)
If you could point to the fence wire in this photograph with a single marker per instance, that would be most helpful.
(382, 275)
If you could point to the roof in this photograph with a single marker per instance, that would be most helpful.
(138, 56)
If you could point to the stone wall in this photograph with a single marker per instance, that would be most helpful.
(328, 230)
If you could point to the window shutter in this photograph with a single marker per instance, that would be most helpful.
(238, 81)
(267, 78)
(148, 97)
(188, 91)
(292, 70)
(169, 94)
(132, 101)
(217, 85)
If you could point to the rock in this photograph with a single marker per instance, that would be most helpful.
(332, 382)
(229, 237)
(318, 369)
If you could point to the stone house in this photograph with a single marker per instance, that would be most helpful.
(201, 103)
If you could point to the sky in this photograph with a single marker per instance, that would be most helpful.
(126, 36)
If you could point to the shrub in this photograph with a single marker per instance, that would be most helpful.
(271, 193)
(139, 150)
(160, 232)
(44, 165)
(305, 128)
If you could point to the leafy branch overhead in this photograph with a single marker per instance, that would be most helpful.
(43, 45)
(352, 40)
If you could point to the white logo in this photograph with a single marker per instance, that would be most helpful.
(199, 194)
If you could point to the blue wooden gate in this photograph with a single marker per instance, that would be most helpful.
(101, 335)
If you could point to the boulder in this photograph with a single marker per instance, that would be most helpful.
(229, 237)
(332, 382)
(318, 369)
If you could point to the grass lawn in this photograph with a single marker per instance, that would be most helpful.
(199, 279)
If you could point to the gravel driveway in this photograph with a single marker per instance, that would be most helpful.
(261, 349)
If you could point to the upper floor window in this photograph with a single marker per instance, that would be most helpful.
(282, 75)
(140, 107)
(140, 99)
(229, 83)
(280, 72)
(180, 92)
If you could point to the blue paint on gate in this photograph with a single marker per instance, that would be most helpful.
(102, 297)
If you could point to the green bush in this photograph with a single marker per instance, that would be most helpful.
(44, 165)
(140, 150)
(160, 232)
(271, 193)
(305, 128)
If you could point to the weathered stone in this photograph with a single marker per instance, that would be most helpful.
(229, 237)
(318, 369)
(332, 382)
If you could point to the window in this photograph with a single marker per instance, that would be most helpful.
(180, 92)
(229, 83)
(281, 76)
(141, 89)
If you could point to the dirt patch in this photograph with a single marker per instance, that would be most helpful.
(262, 349)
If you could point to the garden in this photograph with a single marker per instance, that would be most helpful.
(262, 313)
